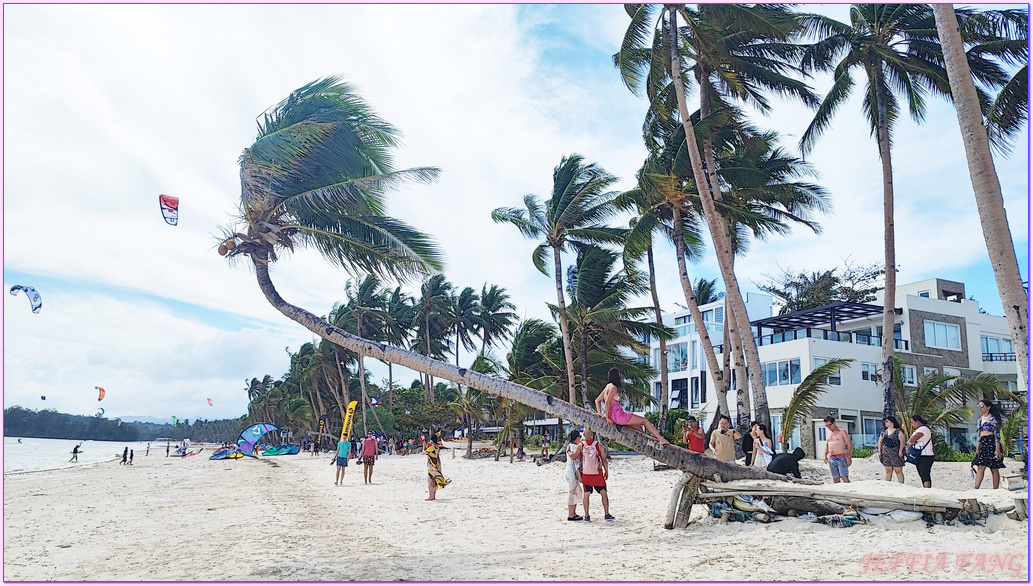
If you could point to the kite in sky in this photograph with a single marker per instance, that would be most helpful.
(101, 412)
(100, 395)
(209, 400)
(169, 209)
(44, 397)
(32, 294)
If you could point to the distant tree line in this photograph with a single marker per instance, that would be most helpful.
(48, 423)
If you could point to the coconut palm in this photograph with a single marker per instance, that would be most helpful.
(463, 319)
(494, 316)
(706, 291)
(940, 399)
(317, 176)
(896, 50)
(397, 322)
(572, 216)
(985, 183)
(805, 398)
(430, 318)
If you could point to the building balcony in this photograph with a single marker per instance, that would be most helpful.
(819, 334)
(998, 357)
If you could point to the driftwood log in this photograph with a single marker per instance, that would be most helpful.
(783, 505)
(842, 496)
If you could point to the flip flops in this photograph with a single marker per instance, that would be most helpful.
(575, 518)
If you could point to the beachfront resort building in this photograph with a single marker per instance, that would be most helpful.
(936, 330)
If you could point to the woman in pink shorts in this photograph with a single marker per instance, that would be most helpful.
(608, 405)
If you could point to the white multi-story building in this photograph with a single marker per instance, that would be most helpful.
(936, 330)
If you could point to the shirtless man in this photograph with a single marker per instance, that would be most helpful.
(838, 450)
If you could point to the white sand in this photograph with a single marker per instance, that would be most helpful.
(282, 518)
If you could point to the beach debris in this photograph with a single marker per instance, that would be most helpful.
(847, 519)
(100, 393)
(169, 209)
(34, 299)
(904, 516)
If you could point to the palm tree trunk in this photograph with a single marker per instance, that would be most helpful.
(889, 294)
(987, 187)
(719, 235)
(583, 335)
(665, 392)
(690, 299)
(362, 386)
(726, 382)
(743, 408)
(329, 385)
(564, 328)
(671, 455)
(390, 388)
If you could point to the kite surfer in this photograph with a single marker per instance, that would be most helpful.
(75, 452)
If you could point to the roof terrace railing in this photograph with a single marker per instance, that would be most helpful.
(820, 334)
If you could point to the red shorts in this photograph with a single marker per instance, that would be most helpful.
(591, 481)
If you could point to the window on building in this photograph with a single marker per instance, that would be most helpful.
(735, 383)
(783, 372)
(869, 372)
(679, 393)
(694, 353)
(776, 431)
(677, 357)
(794, 371)
(695, 392)
(941, 335)
(703, 388)
(836, 379)
(908, 374)
(871, 431)
(682, 320)
(926, 370)
(770, 374)
(821, 434)
(923, 293)
(992, 345)
(708, 315)
(657, 390)
(656, 358)
(719, 315)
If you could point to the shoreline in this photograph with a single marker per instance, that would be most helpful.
(281, 518)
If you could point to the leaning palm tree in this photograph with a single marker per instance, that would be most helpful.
(1002, 119)
(317, 176)
(572, 216)
(896, 49)
(805, 398)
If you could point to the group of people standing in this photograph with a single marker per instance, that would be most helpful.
(368, 450)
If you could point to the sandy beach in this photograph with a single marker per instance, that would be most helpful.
(282, 518)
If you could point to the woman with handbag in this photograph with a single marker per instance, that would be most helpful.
(890, 448)
(989, 454)
(921, 453)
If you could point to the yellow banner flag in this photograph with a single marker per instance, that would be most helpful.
(346, 429)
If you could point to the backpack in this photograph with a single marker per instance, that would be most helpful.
(590, 458)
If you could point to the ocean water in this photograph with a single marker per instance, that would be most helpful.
(49, 454)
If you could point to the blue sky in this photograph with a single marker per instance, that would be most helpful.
(108, 106)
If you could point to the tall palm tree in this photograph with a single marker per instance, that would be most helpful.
(463, 319)
(896, 49)
(706, 291)
(599, 309)
(398, 316)
(985, 184)
(364, 310)
(431, 324)
(495, 316)
(737, 52)
(316, 176)
(572, 216)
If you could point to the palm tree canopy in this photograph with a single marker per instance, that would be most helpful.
(494, 315)
(317, 175)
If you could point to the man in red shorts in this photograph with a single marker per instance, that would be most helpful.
(594, 472)
(369, 456)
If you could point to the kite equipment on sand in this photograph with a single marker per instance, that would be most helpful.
(34, 299)
(169, 209)
(249, 437)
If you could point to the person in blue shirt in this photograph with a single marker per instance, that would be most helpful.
(343, 448)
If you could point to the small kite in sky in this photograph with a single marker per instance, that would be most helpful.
(209, 400)
(32, 294)
(175, 420)
(169, 209)
(100, 395)
(44, 397)
(101, 412)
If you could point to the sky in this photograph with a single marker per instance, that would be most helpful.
(108, 106)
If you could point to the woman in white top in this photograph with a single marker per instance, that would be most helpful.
(762, 450)
(923, 436)
(572, 474)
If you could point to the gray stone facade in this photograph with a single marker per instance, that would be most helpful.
(937, 357)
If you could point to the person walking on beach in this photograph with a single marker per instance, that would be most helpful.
(75, 453)
(890, 448)
(722, 441)
(838, 451)
(594, 473)
(609, 406)
(989, 454)
(168, 445)
(147, 452)
(435, 479)
(343, 448)
(545, 445)
(369, 457)
(572, 473)
(130, 457)
(692, 435)
(125, 456)
(924, 436)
